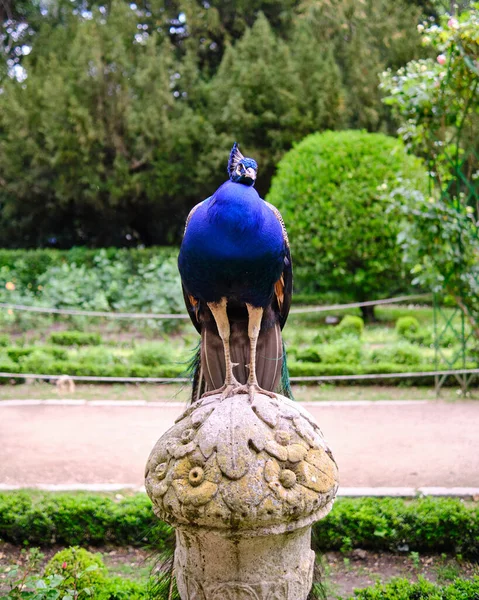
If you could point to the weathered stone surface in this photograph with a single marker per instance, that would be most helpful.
(229, 459)
(243, 482)
(212, 565)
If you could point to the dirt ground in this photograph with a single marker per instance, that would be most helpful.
(341, 573)
(380, 444)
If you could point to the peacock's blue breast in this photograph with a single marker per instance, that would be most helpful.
(233, 247)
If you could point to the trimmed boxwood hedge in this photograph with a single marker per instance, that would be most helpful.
(397, 525)
(402, 589)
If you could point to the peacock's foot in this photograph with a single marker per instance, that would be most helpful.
(252, 389)
(226, 390)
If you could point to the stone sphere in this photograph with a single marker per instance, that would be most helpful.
(236, 464)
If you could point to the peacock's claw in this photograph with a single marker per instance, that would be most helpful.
(252, 389)
(226, 390)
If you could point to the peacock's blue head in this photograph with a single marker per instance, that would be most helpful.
(240, 169)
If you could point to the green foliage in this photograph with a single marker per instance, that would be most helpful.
(127, 115)
(406, 325)
(116, 588)
(72, 574)
(81, 570)
(315, 369)
(104, 137)
(4, 340)
(331, 192)
(75, 338)
(346, 350)
(423, 525)
(402, 589)
(402, 353)
(79, 519)
(122, 281)
(436, 103)
(152, 354)
(351, 325)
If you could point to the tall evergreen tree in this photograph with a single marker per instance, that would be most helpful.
(256, 97)
(92, 143)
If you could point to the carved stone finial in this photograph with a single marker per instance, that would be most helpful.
(245, 480)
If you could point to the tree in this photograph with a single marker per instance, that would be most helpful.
(257, 98)
(331, 189)
(92, 143)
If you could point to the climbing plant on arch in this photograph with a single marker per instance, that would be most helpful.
(437, 102)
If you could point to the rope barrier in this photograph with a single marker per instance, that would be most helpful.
(185, 379)
(124, 315)
(308, 309)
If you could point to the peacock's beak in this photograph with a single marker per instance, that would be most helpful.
(250, 173)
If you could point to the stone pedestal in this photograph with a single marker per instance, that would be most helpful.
(242, 482)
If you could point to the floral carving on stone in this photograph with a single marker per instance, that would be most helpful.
(242, 464)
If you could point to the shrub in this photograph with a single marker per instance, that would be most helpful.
(331, 191)
(351, 325)
(345, 350)
(152, 354)
(406, 326)
(75, 338)
(392, 524)
(4, 341)
(402, 353)
(81, 570)
(402, 589)
(117, 588)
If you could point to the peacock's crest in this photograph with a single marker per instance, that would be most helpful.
(241, 169)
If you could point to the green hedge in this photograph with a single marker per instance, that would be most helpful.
(402, 589)
(79, 519)
(425, 525)
(47, 366)
(75, 338)
(314, 369)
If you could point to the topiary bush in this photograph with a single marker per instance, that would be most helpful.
(406, 326)
(81, 570)
(332, 190)
(351, 325)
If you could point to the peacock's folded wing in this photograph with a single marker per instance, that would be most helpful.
(283, 288)
(191, 303)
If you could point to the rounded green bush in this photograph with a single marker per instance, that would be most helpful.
(351, 325)
(81, 570)
(332, 190)
(407, 325)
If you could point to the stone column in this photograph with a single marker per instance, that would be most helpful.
(242, 482)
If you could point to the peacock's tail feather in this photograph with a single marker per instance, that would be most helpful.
(207, 366)
(285, 387)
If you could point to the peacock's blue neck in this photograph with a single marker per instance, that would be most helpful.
(235, 206)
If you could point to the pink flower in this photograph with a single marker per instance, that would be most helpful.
(441, 59)
(453, 23)
(64, 565)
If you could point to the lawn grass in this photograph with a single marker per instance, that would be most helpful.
(180, 393)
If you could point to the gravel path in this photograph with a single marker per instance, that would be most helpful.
(380, 444)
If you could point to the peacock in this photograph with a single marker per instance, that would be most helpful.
(237, 278)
